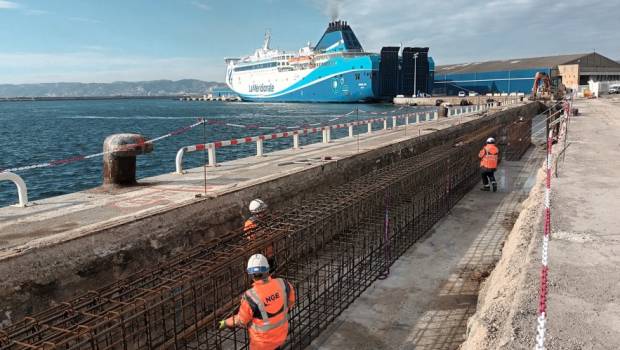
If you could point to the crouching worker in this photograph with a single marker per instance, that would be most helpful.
(264, 307)
(257, 209)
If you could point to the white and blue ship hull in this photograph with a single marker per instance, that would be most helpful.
(329, 72)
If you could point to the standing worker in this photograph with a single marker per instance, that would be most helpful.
(489, 156)
(257, 209)
(264, 307)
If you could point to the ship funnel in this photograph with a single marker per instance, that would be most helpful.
(339, 37)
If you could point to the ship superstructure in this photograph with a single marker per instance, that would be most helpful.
(335, 70)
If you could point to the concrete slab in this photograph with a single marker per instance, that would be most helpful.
(432, 289)
(63, 218)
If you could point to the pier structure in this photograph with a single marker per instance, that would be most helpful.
(157, 265)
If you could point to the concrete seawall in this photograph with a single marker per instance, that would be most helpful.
(73, 252)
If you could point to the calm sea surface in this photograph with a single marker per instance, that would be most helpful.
(42, 131)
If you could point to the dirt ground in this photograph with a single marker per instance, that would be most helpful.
(583, 309)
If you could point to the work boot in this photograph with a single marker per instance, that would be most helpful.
(485, 188)
(494, 187)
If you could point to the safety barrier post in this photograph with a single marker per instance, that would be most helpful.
(384, 123)
(296, 141)
(329, 134)
(211, 154)
(179, 161)
(406, 120)
(324, 133)
(435, 115)
(259, 147)
(428, 115)
(417, 118)
(22, 190)
(394, 122)
(369, 127)
(351, 130)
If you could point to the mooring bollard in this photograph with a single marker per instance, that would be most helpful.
(119, 159)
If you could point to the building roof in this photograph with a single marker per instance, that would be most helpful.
(526, 63)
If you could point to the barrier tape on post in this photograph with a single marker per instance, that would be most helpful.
(78, 158)
(544, 271)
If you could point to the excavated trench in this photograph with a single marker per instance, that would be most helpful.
(332, 248)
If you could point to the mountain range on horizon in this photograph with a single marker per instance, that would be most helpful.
(117, 88)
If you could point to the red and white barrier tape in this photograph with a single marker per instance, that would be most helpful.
(544, 271)
(85, 157)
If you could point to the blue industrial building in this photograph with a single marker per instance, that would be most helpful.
(517, 75)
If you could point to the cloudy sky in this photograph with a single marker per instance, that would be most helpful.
(102, 41)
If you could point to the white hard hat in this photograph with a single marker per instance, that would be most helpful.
(490, 140)
(257, 205)
(258, 264)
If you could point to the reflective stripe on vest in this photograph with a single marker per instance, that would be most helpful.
(267, 326)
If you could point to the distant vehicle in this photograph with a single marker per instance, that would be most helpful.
(461, 93)
(401, 96)
(521, 94)
(473, 94)
(489, 94)
(614, 90)
(496, 94)
(513, 94)
(504, 94)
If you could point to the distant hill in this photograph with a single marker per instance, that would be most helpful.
(118, 88)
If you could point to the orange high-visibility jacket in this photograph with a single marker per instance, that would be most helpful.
(264, 309)
(489, 155)
(248, 226)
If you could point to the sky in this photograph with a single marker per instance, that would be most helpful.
(132, 40)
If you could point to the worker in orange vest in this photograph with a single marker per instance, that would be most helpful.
(264, 307)
(257, 209)
(489, 156)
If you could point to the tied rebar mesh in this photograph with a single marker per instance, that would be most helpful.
(331, 249)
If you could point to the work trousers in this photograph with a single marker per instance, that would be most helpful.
(488, 177)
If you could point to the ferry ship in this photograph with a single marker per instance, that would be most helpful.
(335, 70)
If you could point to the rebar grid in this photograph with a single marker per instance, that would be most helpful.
(331, 249)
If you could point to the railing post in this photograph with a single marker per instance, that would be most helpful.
(417, 118)
(295, 141)
(179, 161)
(370, 127)
(351, 130)
(384, 123)
(394, 122)
(428, 116)
(435, 115)
(406, 120)
(22, 190)
(211, 154)
(259, 148)
(324, 134)
(328, 132)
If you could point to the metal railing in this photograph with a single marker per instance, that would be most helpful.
(22, 190)
(407, 118)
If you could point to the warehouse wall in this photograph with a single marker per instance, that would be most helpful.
(484, 82)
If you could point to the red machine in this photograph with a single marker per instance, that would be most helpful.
(542, 86)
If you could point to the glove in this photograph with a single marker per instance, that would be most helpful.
(222, 324)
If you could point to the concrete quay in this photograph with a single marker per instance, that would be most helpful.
(455, 100)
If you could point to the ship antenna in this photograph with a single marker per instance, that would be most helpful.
(267, 39)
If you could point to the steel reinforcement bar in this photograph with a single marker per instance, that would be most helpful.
(331, 248)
